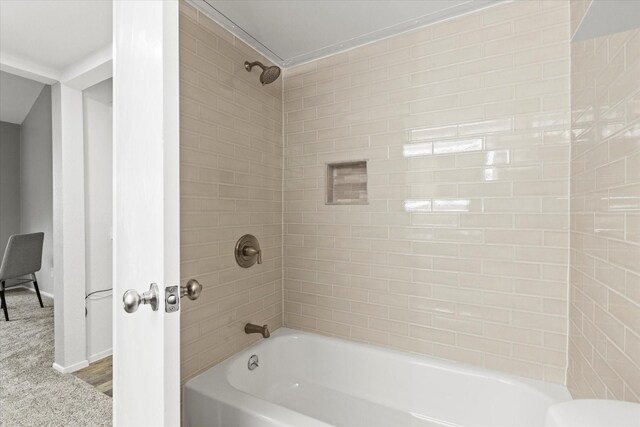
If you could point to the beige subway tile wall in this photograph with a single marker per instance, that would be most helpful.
(461, 251)
(604, 347)
(231, 184)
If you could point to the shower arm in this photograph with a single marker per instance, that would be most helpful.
(249, 65)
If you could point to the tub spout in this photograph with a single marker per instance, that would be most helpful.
(250, 328)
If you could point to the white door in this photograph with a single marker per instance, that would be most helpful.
(146, 344)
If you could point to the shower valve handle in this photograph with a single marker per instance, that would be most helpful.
(250, 251)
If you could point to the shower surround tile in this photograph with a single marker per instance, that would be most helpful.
(462, 250)
(230, 185)
(604, 310)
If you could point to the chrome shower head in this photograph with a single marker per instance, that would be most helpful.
(268, 75)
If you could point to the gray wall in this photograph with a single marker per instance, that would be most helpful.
(9, 182)
(36, 180)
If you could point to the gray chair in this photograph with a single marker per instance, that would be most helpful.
(23, 257)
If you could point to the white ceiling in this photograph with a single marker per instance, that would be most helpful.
(17, 96)
(52, 35)
(292, 32)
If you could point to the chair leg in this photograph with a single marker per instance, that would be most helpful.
(3, 301)
(35, 285)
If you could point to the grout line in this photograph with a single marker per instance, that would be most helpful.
(569, 177)
(282, 198)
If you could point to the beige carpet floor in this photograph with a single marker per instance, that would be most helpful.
(32, 393)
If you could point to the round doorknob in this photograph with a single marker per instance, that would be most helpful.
(131, 300)
(192, 289)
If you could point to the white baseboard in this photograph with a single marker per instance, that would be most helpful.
(29, 288)
(71, 368)
(46, 294)
(100, 355)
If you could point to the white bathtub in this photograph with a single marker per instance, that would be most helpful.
(308, 380)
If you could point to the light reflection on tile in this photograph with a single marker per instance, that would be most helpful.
(486, 126)
(417, 205)
(451, 205)
(438, 205)
(458, 146)
(443, 147)
(417, 150)
(433, 133)
(498, 157)
(490, 174)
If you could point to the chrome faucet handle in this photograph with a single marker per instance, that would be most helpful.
(191, 290)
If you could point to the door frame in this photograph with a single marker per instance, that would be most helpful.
(69, 251)
(68, 195)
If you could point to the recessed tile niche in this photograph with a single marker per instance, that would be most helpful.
(347, 183)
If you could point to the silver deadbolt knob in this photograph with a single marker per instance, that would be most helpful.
(132, 300)
(191, 290)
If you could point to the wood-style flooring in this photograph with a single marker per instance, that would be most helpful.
(99, 374)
